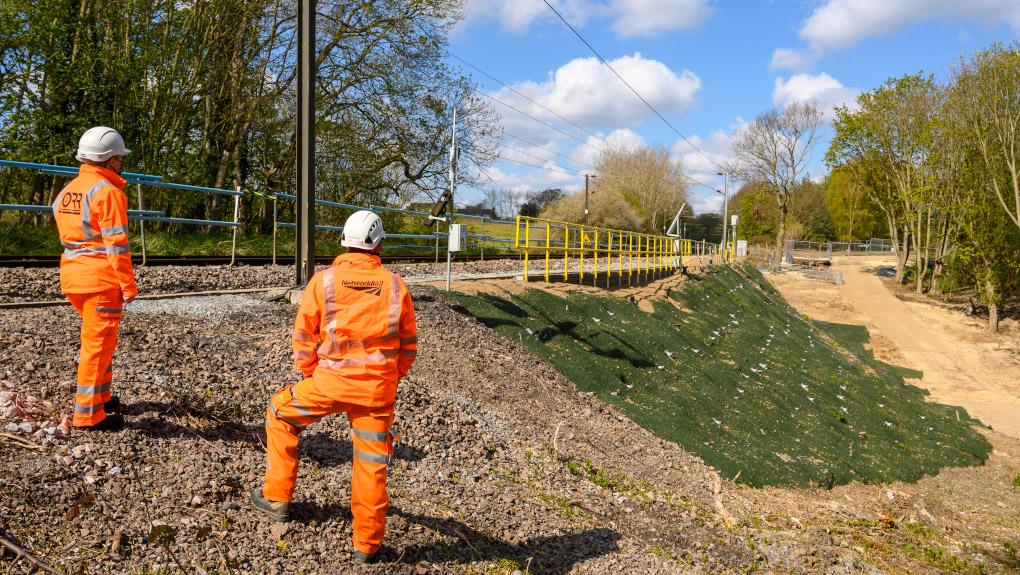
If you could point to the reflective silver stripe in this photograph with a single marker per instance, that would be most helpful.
(108, 309)
(112, 231)
(86, 211)
(301, 411)
(407, 340)
(71, 254)
(276, 414)
(372, 457)
(92, 389)
(302, 336)
(409, 353)
(88, 409)
(72, 245)
(300, 354)
(394, 304)
(370, 435)
(329, 294)
(329, 318)
(377, 356)
(106, 250)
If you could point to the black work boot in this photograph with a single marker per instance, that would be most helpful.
(112, 405)
(278, 510)
(112, 422)
(362, 558)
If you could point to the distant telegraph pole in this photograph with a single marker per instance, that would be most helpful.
(586, 193)
(304, 251)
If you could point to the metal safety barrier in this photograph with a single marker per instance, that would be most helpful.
(636, 254)
(481, 239)
(141, 215)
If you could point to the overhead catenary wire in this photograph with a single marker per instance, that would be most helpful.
(546, 124)
(548, 169)
(543, 148)
(529, 98)
(609, 145)
(536, 156)
(625, 83)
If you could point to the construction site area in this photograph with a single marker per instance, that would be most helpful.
(550, 287)
(714, 421)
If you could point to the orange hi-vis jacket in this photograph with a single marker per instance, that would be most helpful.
(91, 215)
(355, 332)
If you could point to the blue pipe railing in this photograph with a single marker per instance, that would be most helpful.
(49, 210)
(54, 168)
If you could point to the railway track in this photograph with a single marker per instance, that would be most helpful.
(53, 261)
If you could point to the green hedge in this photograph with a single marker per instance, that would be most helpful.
(732, 373)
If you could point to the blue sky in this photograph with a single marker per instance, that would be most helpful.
(706, 65)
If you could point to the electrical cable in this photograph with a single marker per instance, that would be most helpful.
(689, 179)
(625, 83)
(539, 167)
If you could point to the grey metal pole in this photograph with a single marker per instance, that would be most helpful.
(305, 245)
(725, 205)
(453, 189)
(237, 215)
(274, 230)
(142, 224)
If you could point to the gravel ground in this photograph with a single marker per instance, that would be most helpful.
(503, 465)
(43, 284)
(38, 284)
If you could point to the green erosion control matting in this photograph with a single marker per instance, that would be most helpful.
(733, 374)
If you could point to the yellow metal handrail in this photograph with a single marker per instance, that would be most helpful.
(653, 254)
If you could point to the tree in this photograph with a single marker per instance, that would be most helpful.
(648, 179)
(758, 219)
(987, 87)
(773, 150)
(854, 215)
(204, 94)
(606, 210)
(538, 201)
(891, 142)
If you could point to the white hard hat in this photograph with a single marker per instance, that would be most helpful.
(100, 144)
(363, 230)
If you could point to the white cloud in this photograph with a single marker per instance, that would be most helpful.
(626, 17)
(587, 93)
(840, 24)
(787, 59)
(588, 153)
(653, 17)
(821, 89)
(714, 149)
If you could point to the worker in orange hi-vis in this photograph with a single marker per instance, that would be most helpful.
(354, 338)
(95, 269)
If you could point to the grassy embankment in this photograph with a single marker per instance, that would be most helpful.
(733, 374)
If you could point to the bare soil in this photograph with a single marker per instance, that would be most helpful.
(963, 364)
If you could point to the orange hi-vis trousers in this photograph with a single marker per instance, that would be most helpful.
(295, 407)
(100, 317)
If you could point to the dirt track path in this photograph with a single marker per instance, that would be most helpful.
(961, 367)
